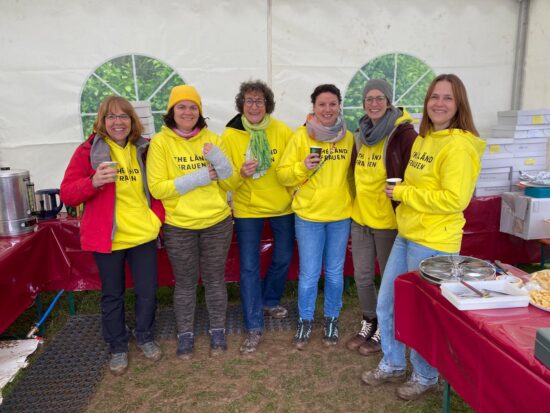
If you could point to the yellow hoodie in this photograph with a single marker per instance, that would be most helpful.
(371, 206)
(264, 196)
(438, 186)
(171, 156)
(326, 196)
(131, 206)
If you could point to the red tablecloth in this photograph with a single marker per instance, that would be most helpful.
(487, 356)
(50, 258)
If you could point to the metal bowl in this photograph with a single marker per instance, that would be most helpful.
(453, 268)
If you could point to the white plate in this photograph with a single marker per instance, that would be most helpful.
(525, 183)
(540, 307)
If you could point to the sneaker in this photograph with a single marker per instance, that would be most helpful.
(368, 327)
(412, 390)
(377, 377)
(118, 363)
(151, 350)
(251, 342)
(218, 344)
(303, 333)
(186, 341)
(371, 346)
(331, 331)
(277, 312)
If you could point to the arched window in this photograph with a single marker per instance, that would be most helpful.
(135, 77)
(409, 77)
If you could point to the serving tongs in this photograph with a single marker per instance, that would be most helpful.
(475, 290)
(484, 292)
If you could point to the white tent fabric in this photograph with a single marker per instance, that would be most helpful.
(50, 48)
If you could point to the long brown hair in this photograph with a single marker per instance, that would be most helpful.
(463, 117)
(106, 107)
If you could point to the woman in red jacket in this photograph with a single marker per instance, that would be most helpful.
(121, 223)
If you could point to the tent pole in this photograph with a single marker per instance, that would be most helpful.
(519, 63)
(269, 44)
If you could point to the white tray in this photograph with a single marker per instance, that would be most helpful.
(454, 291)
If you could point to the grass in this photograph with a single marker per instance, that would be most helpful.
(276, 378)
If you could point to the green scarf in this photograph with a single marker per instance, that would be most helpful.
(259, 146)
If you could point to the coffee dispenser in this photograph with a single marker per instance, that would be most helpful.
(16, 202)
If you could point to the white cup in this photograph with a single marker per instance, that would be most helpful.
(110, 164)
(393, 181)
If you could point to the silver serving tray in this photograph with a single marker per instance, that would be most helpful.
(453, 268)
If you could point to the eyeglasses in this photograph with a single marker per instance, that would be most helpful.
(258, 102)
(371, 99)
(111, 118)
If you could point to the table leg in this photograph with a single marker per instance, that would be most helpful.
(72, 310)
(446, 396)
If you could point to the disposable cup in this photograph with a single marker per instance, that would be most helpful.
(315, 149)
(393, 181)
(110, 164)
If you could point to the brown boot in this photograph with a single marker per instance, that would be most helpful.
(372, 346)
(368, 327)
(412, 390)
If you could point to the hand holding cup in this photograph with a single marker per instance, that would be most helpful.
(393, 181)
(390, 185)
(248, 168)
(314, 157)
(106, 172)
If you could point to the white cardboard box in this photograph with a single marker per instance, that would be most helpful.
(524, 216)
(520, 132)
(497, 160)
(528, 149)
(487, 184)
(524, 117)
(495, 174)
(491, 190)
(529, 163)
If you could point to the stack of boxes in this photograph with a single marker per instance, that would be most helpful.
(143, 110)
(519, 142)
(521, 139)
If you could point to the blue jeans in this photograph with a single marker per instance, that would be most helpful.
(405, 256)
(255, 293)
(321, 243)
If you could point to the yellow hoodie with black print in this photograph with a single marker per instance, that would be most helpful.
(439, 182)
(324, 196)
(177, 174)
(264, 196)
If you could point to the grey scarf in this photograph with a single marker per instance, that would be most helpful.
(370, 134)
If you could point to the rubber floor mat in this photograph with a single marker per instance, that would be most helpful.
(64, 376)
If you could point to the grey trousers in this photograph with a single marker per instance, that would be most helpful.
(193, 252)
(366, 245)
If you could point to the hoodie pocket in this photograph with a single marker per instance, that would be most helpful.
(270, 201)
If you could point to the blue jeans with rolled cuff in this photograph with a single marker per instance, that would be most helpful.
(255, 292)
(405, 256)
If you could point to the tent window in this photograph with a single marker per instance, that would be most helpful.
(408, 75)
(137, 78)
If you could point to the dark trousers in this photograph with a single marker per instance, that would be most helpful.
(193, 252)
(143, 263)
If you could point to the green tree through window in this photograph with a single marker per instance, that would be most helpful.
(134, 77)
(409, 77)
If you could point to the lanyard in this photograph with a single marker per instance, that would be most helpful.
(327, 157)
